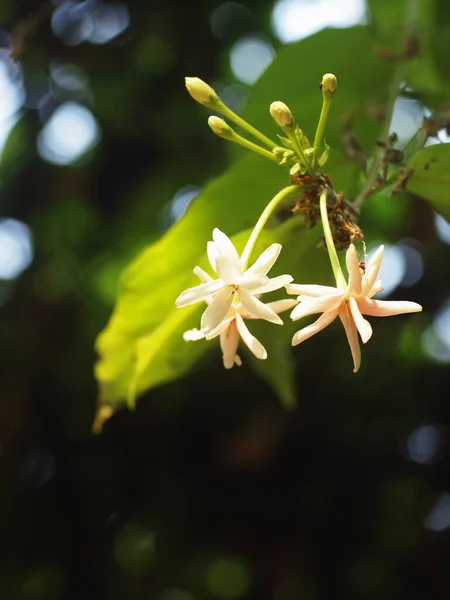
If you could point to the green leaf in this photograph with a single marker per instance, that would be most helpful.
(431, 176)
(142, 345)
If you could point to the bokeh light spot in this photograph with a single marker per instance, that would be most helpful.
(423, 443)
(228, 578)
(413, 264)
(230, 19)
(16, 248)
(439, 517)
(442, 228)
(249, 58)
(181, 201)
(110, 20)
(69, 77)
(296, 19)
(70, 132)
(135, 549)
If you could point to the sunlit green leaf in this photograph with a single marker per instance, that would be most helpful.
(430, 178)
(142, 345)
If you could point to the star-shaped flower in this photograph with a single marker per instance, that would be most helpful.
(350, 302)
(234, 284)
(233, 327)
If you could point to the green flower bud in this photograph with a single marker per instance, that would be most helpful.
(281, 114)
(329, 84)
(220, 127)
(201, 92)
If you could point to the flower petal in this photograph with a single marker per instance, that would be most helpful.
(352, 336)
(192, 335)
(322, 322)
(225, 246)
(377, 287)
(310, 289)
(220, 327)
(354, 275)
(228, 270)
(229, 341)
(272, 284)
(311, 306)
(213, 253)
(202, 275)
(217, 310)
(257, 308)
(362, 325)
(282, 305)
(383, 308)
(372, 271)
(198, 293)
(250, 341)
(265, 261)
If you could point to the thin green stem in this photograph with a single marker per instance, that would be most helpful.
(297, 147)
(326, 103)
(250, 245)
(397, 79)
(227, 112)
(238, 139)
(334, 260)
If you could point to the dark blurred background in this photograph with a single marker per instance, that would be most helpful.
(210, 489)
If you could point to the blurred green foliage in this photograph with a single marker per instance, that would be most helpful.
(210, 489)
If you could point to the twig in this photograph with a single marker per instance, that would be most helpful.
(398, 77)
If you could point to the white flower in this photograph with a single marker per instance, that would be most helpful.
(234, 284)
(233, 327)
(349, 302)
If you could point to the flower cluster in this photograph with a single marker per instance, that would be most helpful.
(232, 297)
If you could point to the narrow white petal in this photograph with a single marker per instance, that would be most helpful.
(228, 270)
(272, 284)
(282, 305)
(253, 282)
(198, 293)
(372, 271)
(249, 340)
(354, 275)
(213, 253)
(237, 360)
(352, 336)
(229, 341)
(217, 310)
(265, 261)
(221, 327)
(225, 246)
(310, 289)
(257, 308)
(202, 275)
(322, 322)
(312, 306)
(192, 335)
(383, 308)
(377, 287)
(362, 325)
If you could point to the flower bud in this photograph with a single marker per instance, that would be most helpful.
(220, 127)
(329, 84)
(281, 114)
(201, 91)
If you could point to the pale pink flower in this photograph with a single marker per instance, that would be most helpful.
(233, 327)
(235, 283)
(349, 302)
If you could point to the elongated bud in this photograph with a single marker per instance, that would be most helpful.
(329, 84)
(220, 127)
(281, 114)
(201, 92)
